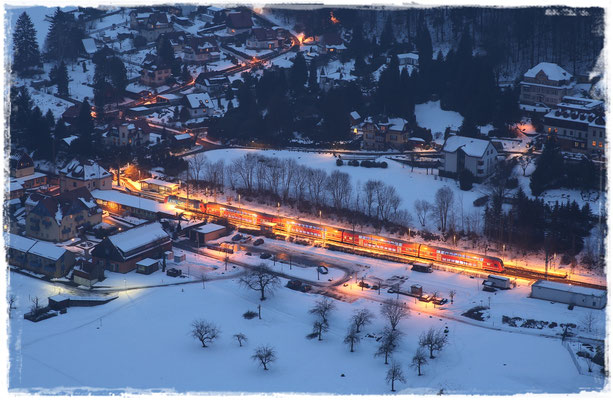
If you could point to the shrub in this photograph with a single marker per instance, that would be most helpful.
(250, 314)
(476, 313)
(466, 179)
(140, 41)
(339, 162)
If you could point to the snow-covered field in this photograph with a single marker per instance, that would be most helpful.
(141, 342)
(410, 186)
(430, 116)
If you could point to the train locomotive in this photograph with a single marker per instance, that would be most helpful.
(364, 241)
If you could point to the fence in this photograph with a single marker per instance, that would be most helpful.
(574, 358)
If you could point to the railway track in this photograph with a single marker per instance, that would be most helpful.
(511, 272)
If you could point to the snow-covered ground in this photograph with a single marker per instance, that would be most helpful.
(430, 116)
(410, 186)
(141, 342)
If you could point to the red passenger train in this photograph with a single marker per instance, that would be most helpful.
(267, 222)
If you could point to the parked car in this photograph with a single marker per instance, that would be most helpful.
(258, 242)
(174, 272)
(439, 301)
(375, 287)
(248, 253)
(425, 298)
(322, 270)
(391, 290)
(237, 237)
(363, 284)
(264, 256)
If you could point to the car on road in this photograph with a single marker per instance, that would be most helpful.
(264, 256)
(174, 272)
(391, 290)
(237, 237)
(258, 242)
(248, 253)
(375, 287)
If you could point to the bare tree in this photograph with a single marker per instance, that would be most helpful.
(12, 300)
(452, 294)
(434, 340)
(260, 278)
(240, 338)
(394, 373)
(524, 163)
(205, 332)
(264, 355)
(443, 200)
(319, 327)
(352, 337)
(422, 209)
(362, 317)
(394, 311)
(388, 343)
(317, 184)
(35, 307)
(419, 359)
(588, 321)
(196, 164)
(339, 187)
(322, 309)
(370, 188)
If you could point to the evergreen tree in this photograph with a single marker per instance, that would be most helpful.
(63, 40)
(26, 54)
(313, 76)
(387, 35)
(185, 75)
(298, 73)
(60, 131)
(118, 76)
(61, 79)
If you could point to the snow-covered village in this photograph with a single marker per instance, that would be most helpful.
(222, 199)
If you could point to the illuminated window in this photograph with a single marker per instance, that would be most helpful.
(600, 144)
(594, 143)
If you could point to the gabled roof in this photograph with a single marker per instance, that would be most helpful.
(84, 170)
(471, 146)
(553, 71)
(139, 237)
(239, 20)
(196, 100)
(65, 204)
(331, 39)
(263, 34)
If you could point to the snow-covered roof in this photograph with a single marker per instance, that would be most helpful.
(413, 56)
(147, 262)
(569, 288)
(129, 200)
(19, 243)
(69, 139)
(159, 182)
(196, 100)
(47, 250)
(472, 147)
(553, 71)
(84, 171)
(89, 45)
(208, 228)
(183, 136)
(138, 237)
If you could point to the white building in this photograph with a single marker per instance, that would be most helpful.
(569, 294)
(476, 155)
(546, 84)
(199, 105)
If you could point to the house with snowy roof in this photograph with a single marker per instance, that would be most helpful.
(381, 133)
(546, 83)
(476, 155)
(128, 132)
(23, 176)
(330, 43)
(213, 85)
(238, 22)
(38, 256)
(199, 50)
(154, 72)
(63, 217)
(408, 59)
(122, 251)
(199, 105)
(88, 174)
(575, 130)
(153, 26)
(177, 39)
(263, 38)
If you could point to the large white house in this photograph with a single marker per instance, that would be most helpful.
(476, 155)
(547, 84)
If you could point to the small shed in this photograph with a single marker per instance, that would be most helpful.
(159, 186)
(170, 255)
(147, 266)
(205, 233)
(569, 294)
(179, 257)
